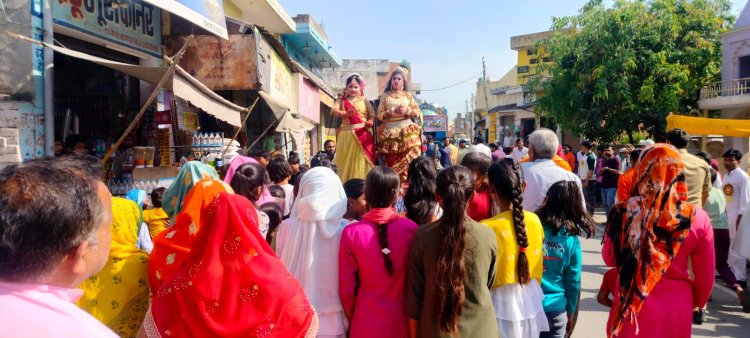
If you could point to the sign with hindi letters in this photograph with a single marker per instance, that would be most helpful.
(207, 14)
(221, 64)
(131, 23)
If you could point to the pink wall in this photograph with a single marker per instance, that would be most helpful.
(309, 100)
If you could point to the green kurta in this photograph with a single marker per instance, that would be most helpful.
(477, 316)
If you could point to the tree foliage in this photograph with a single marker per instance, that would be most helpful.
(623, 69)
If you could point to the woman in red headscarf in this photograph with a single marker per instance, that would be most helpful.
(231, 284)
(649, 238)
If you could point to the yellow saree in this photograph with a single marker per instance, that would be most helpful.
(118, 294)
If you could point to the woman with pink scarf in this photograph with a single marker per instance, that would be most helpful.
(373, 259)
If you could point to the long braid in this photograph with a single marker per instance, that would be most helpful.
(383, 240)
(381, 189)
(456, 188)
(522, 266)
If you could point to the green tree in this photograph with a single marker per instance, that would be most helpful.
(623, 69)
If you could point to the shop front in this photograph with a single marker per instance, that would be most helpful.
(94, 104)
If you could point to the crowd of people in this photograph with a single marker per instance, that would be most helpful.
(265, 247)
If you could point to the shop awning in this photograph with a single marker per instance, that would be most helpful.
(182, 84)
(291, 124)
(708, 126)
(279, 108)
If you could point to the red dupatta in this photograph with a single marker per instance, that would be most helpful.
(232, 284)
(363, 134)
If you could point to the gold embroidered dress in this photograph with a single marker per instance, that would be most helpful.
(399, 138)
(351, 159)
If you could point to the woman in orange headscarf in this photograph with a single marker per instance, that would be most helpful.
(649, 238)
(172, 246)
(231, 284)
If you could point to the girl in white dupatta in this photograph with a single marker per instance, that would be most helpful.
(308, 244)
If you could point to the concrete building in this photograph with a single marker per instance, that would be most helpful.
(731, 95)
(375, 72)
(508, 105)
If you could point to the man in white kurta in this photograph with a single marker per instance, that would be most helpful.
(737, 193)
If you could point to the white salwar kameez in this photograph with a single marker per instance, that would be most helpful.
(308, 244)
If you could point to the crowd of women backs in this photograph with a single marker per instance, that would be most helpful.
(455, 254)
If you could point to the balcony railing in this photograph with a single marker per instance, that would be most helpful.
(726, 88)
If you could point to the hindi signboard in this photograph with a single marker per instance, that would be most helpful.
(131, 23)
(435, 123)
(221, 64)
(207, 14)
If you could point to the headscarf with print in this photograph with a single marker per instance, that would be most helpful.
(190, 173)
(172, 246)
(648, 229)
(231, 285)
(118, 294)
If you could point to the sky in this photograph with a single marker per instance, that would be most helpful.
(444, 40)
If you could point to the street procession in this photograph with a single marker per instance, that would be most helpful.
(291, 168)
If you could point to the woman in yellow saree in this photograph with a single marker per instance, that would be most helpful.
(118, 294)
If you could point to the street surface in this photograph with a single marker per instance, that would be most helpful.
(725, 316)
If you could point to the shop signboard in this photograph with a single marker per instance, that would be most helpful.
(435, 123)
(309, 100)
(281, 80)
(221, 64)
(207, 14)
(134, 24)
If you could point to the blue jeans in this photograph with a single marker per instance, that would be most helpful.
(558, 322)
(608, 196)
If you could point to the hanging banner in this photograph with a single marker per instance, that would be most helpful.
(207, 14)
(435, 123)
(221, 64)
(281, 80)
(133, 24)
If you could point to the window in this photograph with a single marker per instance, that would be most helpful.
(546, 59)
(533, 61)
(531, 52)
(522, 70)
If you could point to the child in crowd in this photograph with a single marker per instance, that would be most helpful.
(156, 218)
(249, 181)
(280, 173)
(273, 211)
(481, 204)
(373, 260)
(419, 201)
(608, 287)
(279, 196)
(517, 293)
(356, 205)
(563, 218)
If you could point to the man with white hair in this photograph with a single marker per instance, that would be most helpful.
(540, 172)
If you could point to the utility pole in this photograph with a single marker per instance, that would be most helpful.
(484, 84)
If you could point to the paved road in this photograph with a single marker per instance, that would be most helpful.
(725, 316)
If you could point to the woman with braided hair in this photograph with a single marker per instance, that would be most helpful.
(452, 267)
(517, 293)
(373, 259)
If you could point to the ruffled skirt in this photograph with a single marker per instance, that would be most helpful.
(400, 142)
(519, 310)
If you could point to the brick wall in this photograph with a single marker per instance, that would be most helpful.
(10, 151)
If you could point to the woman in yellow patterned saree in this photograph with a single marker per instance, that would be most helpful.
(399, 139)
(118, 294)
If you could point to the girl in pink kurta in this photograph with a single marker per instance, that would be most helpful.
(650, 238)
(373, 260)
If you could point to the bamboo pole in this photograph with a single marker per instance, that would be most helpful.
(261, 136)
(151, 98)
(249, 111)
